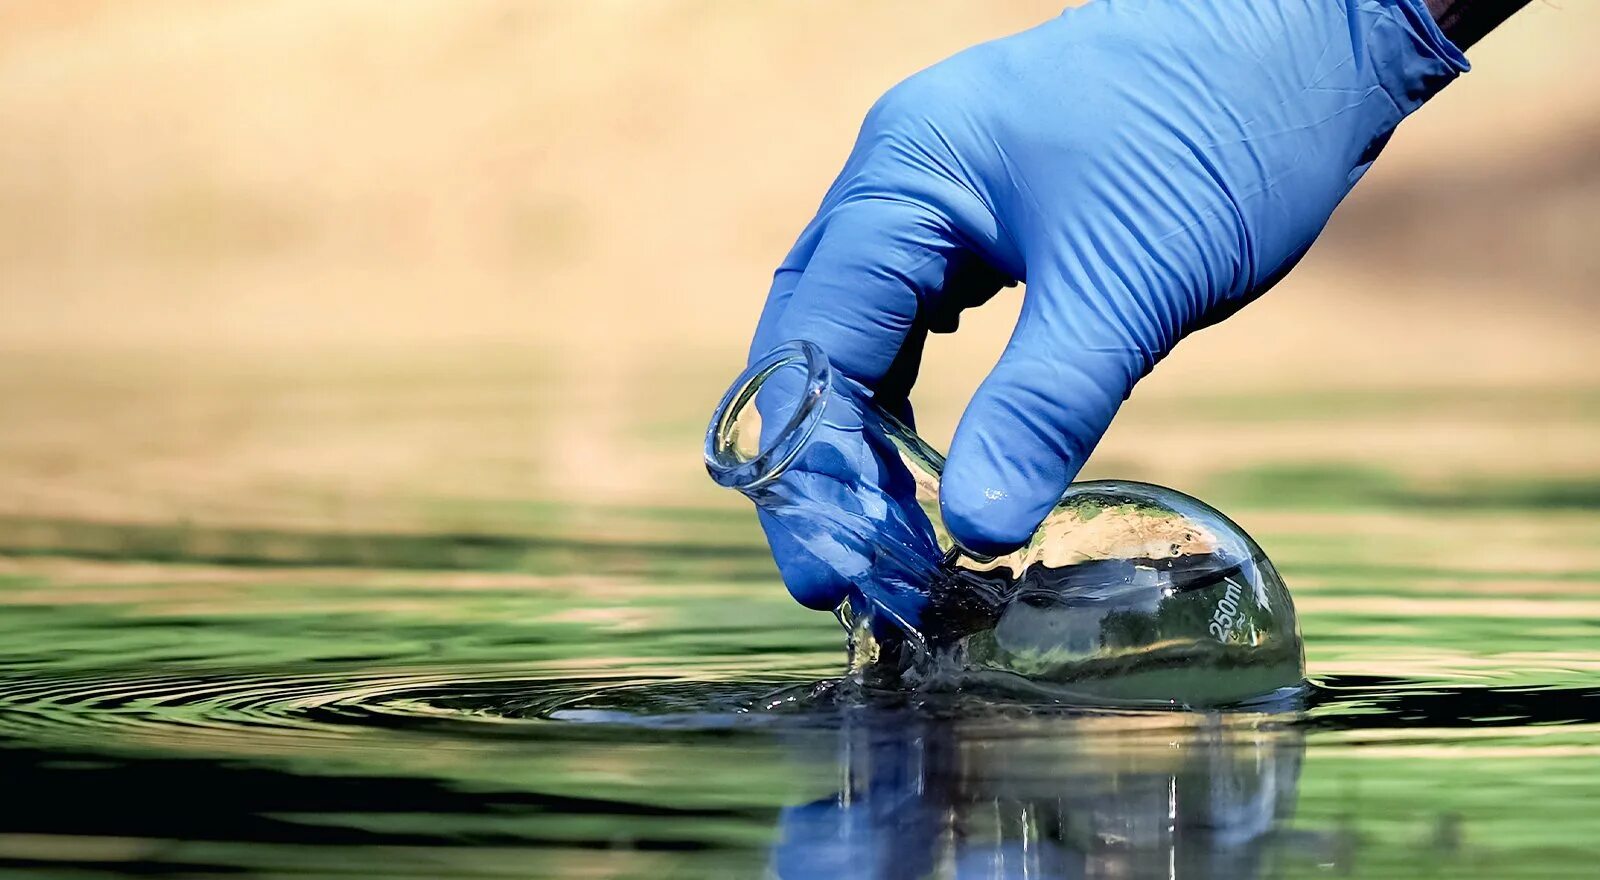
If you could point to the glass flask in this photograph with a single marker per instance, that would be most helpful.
(1127, 593)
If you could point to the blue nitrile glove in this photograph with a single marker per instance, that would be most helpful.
(1147, 167)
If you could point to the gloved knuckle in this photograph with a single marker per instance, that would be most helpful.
(909, 97)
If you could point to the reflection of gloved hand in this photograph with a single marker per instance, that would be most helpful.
(1146, 167)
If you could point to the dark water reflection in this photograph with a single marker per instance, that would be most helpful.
(440, 773)
(962, 787)
(1202, 798)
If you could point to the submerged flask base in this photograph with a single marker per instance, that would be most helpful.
(1130, 594)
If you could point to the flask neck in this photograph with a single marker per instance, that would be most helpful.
(766, 417)
(854, 487)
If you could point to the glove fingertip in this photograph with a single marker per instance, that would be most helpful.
(983, 514)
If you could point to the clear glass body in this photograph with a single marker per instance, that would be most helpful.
(1127, 593)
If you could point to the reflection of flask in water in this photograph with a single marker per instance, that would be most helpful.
(1059, 795)
(1126, 593)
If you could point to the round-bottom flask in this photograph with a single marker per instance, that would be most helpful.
(1127, 593)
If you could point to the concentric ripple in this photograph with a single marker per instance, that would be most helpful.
(302, 709)
(344, 710)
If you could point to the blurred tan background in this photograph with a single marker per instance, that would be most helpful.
(463, 263)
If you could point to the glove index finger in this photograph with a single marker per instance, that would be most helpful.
(858, 299)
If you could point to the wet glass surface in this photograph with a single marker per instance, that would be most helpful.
(427, 678)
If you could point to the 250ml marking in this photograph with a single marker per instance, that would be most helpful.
(1226, 617)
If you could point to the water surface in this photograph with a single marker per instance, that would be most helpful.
(420, 683)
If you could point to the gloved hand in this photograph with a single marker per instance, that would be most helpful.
(1146, 167)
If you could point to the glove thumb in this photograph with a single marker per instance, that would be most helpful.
(1036, 418)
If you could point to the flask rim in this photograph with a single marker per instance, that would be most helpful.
(723, 460)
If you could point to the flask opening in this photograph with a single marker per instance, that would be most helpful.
(767, 415)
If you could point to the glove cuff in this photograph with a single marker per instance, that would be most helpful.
(1410, 54)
